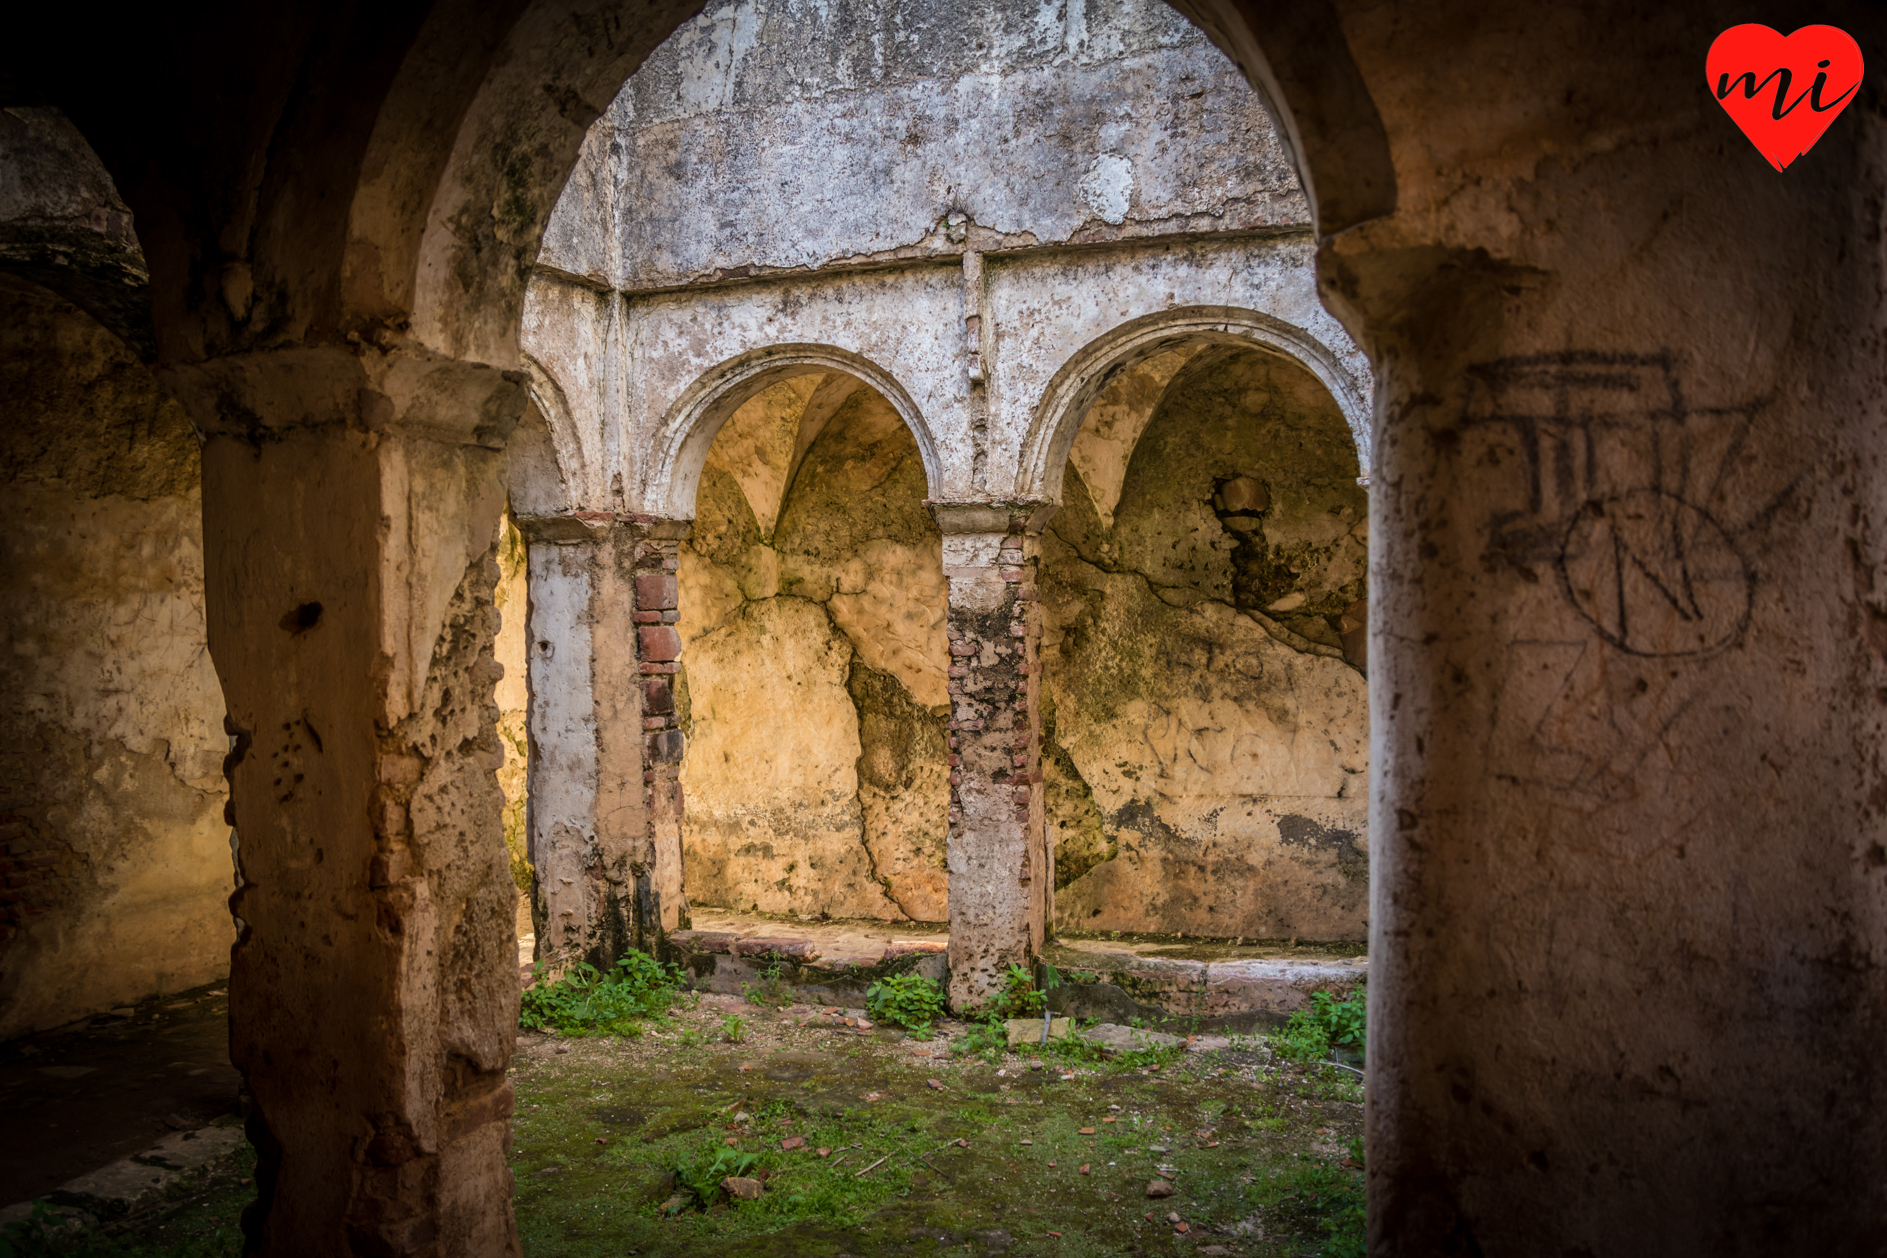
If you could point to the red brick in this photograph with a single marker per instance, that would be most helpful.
(658, 695)
(659, 643)
(656, 591)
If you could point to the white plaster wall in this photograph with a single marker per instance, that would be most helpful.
(571, 337)
(908, 322)
(563, 767)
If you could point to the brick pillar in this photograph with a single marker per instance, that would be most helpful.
(604, 811)
(999, 872)
(661, 903)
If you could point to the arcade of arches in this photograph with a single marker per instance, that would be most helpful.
(1110, 467)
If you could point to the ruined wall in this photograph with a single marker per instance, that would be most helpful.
(117, 863)
(1205, 739)
(812, 603)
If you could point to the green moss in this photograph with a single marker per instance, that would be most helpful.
(927, 1195)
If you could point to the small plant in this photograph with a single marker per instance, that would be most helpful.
(698, 1180)
(1302, 1039)
(733, 1028)
(772, 990)
(585, 1001)
(907, 1000)
(988, 1040)
(1019, 997)
(1308, 1036)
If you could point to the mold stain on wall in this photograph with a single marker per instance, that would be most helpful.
(1206, 727)
(812, 598)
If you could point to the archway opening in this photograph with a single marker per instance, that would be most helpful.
(1205, 743)
(814, 682)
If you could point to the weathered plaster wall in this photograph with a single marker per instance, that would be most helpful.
(812, 613)
(1205, 744)
(770, 122)
(117, 860)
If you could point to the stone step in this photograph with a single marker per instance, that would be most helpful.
(1185, 986)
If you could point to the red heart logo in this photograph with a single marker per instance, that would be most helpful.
(1783, 91)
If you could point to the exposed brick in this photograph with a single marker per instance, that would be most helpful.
(667, 747)
(655, 591)
(658, 695)
(649, 666)
(964, 648)
(654, 722)
(659, 642)
(648, 618)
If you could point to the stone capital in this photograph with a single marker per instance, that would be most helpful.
(583, 526)
(1008, 516)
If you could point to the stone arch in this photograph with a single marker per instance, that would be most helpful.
(1073, 389)
(679, 446)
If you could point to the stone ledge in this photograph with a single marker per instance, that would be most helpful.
(174, 1167)
(1234, 995)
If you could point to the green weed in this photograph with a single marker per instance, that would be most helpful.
(771, 991)
(585, 1001)
(907, 1000)
(1311, 1032)
(698, 1179)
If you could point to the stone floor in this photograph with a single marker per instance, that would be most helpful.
(77, 1098)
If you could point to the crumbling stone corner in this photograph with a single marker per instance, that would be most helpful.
(604, 817)
(1001, 873)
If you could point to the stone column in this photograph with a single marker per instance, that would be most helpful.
(351, 502)
(604, 814)
(999, 871)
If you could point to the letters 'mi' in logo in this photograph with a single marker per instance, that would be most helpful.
(1782, 91)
